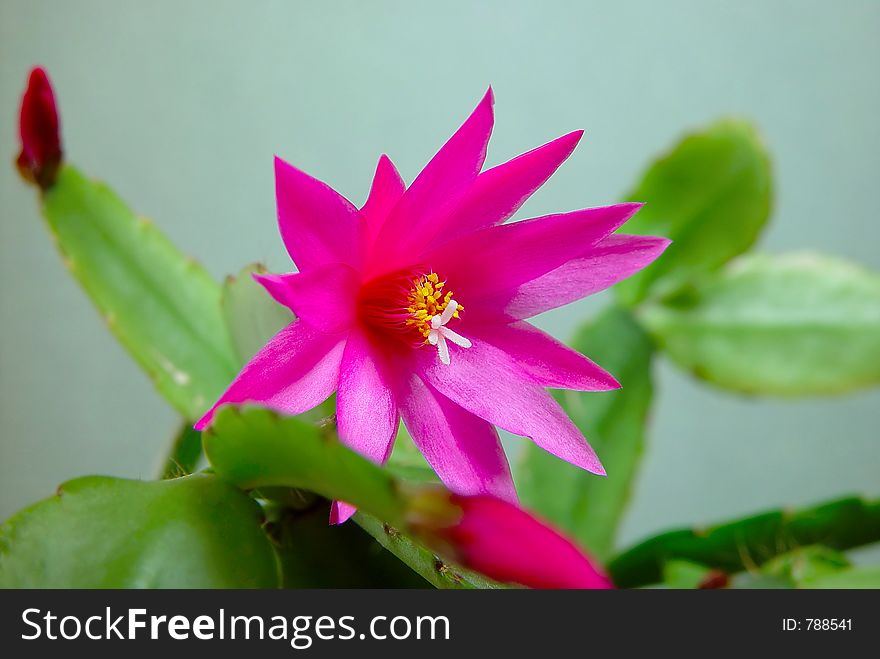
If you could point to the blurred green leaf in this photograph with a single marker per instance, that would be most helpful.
(759, 581)
(250, 313)
(685, 574)
(98, 532)
(255, 448)
(711, 195)
(796, 324)
(750, 542)
(407, 462)
(162, 306)
(587, 506)
(805, 564)
(867, 577)
(184, 454)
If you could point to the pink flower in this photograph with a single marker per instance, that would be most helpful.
(505, 543)
(414, 307)
(40, 154)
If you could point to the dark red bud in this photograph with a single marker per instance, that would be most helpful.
(40, 155)
(714, 579)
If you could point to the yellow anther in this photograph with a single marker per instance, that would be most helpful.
(426, 300)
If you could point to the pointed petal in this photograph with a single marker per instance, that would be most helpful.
(435, 191)
(464, 450)
(496, 259)
(366, 410)
(545, 360)
(499, 192)
(487, 382)
(297, 370)
(508, 544)
(387, 189)
(318, 225)
(323, 297)
(612, 260)
(276, 285)
(341, 512)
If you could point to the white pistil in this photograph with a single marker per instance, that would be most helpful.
(440, 334)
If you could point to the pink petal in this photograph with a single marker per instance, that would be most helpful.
(464, 450)
(318, 225)
(324, 296)
(545, 360)
(499, 192)
(435, 191)
(297, 370)
(366, 411)
(276, 285)
(506, 543)
(341, 512)
(481, 264)
(487, 382)
(612, 260)
(387, 189)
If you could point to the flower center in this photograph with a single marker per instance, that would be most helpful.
(414, 309)
(427, 299)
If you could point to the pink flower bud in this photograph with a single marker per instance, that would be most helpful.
(40, 154)
(504, 542)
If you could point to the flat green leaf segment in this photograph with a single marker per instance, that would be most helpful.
(98, 532)
(587, 506)
(796, 324)
(711, 195)
(255, 448)
(162, 306)
(750, 542)
(250, 313)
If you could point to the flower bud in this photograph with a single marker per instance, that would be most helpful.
(40, 155)
(504, 542)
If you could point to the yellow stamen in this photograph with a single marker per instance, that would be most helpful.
(426, 300)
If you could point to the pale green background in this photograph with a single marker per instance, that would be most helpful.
(180, 106)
